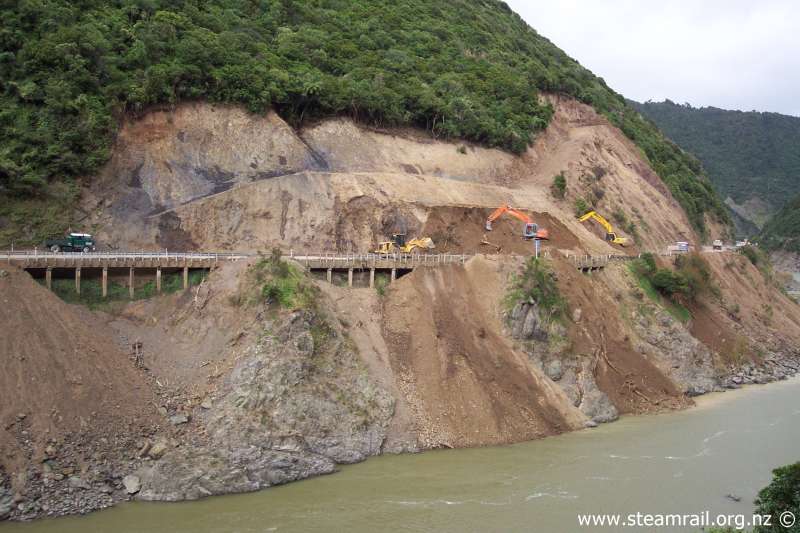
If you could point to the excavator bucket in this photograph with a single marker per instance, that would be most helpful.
(488, 225)
(424, 243)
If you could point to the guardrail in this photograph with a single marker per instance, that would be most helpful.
(32, 258)
(37, 254)
(333, 260)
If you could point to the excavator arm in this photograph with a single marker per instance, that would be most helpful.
(497, 213)
(531, 229)
(611, 236)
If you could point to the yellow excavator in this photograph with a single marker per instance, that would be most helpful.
(398, 244)
(611, 236)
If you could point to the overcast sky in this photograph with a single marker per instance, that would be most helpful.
(734, 54)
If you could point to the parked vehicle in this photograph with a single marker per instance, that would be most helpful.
(74, 242)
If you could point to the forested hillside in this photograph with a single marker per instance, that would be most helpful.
(783, 229)
(747, 154)
(69, 70)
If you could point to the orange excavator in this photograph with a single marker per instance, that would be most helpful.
(531, 230)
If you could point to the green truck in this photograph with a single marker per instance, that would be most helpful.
(74, 242)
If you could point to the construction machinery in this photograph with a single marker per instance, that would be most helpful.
(530, 231)
(611, 236)
(398, 244)
(74, 242)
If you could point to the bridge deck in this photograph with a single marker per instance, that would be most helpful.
(36, 259)
(378, 261)
(322, 261)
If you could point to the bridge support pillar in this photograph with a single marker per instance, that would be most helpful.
(349, 277)
(330, 275)
(158, 279)
(371, 278)
(78, 280)
(185, 278)
(48, 278)
(105, 282)
(394, 274)
(130, 282)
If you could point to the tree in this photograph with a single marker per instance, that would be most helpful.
(559, 187)
(782, 495)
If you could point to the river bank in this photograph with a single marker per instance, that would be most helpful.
(686, 461)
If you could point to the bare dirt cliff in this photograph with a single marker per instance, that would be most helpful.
(211, 176)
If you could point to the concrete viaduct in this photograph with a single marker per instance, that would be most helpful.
(130, 262)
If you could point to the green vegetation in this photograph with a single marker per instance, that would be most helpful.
(782, 231)
(92, 290)
(559, 187)
(627, 224)
(283, 284)
(32, 219)
(747, 154)
(459, 69)
(582, 206)
(537, 283)
(382, 281)
(780, 496)
(677, 288)
(760, 259)
(754, 255)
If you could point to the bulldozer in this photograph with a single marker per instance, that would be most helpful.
(398, 244)
(611, 235)
(531, 230)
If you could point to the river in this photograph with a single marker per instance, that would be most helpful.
(681, 462)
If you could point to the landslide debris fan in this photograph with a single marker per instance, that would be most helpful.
(467, 69)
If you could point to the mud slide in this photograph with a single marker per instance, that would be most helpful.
(753, 317)
(633, 383)
(63, 379)
(465, 384)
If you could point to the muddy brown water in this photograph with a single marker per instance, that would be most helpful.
(681, 462)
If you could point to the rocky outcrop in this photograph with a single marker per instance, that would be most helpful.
(685, 359)
(298, 402)
(545, 343)
(6, 500)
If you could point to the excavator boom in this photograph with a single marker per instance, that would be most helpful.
(531, 228)
(611, 236)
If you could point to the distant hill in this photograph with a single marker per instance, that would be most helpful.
(783, 230)
(752, 158)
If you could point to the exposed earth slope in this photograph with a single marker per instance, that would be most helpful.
(345, 187)
(73, 409)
